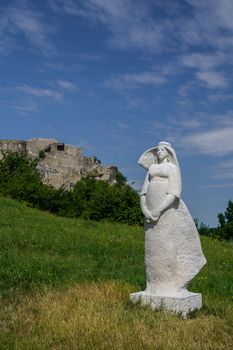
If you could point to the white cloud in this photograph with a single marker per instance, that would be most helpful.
(203, 61)
(224, 170)
(186, 88)
(202, 133)
(187, 123)
(220, 97)
(215, 142)
(18, 19)
(122, 125)
(66, 85)
(130, 24)
(40, 92)
(158, 25)
(212, 79)
(7, 42)
(206, 73)
(225, 185)
(209, 24)
(24, 106)
(134, 103)
(220, 12)
(129, 81)
(59, 66)
(33, 26)
(161, 27)
(27, 107)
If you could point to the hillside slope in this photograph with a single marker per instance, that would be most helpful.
(65, 284)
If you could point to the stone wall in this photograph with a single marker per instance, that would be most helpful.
(61, 164)
(13, 146)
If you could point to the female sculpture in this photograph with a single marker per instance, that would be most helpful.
(173, 254)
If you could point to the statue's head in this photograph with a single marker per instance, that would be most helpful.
(162, 152)
(157, 154)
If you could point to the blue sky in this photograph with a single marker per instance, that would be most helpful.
(118, 76)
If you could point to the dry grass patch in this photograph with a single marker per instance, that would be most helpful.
(99, 316)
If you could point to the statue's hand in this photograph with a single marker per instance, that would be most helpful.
(152, 216)
(148, 215)
(156, 215)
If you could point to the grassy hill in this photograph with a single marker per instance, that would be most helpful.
(65, 284)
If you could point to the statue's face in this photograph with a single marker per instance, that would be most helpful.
(162, 153)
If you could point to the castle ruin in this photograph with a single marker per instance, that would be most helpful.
(59, 163)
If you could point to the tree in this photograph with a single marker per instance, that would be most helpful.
(225, 228)
(221, 219)
(229, 212)
(121, 180)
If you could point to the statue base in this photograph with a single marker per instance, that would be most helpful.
(179, 304)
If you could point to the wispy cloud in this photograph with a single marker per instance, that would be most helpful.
(212, 79)
(216, 142)
(41, 92)
(27, 99)
(224, 170)
(66, 85)
(122, 125)
(130, 24)
(136, 25)
(133, 102)
(90, 57)
(205, 65)
(127, 81)
(224, 185)
(209, 24)
(7, 42)
(159, 27)
(25, 106)
(19, 19)
(200, 133)
(203, 61)
(219, 97)
(33, 26)
(185, 123)
(59, 66)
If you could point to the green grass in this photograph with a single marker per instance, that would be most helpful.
(65, 283)
(39, 249)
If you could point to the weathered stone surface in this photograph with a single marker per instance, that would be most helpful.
(12, 146)
(61, 164)
(173, 254)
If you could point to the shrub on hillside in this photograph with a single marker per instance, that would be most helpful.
(19, 177)
(98, 200)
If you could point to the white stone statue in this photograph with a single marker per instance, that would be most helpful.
(173, 254)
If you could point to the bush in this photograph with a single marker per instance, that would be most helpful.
(98, 200)
(19, 177)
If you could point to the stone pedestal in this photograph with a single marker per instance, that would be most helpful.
(179, 304)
